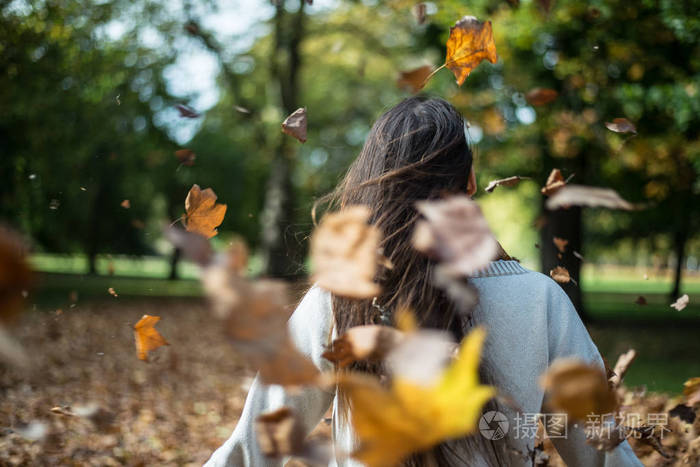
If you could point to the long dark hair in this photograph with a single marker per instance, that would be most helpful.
(417, 150)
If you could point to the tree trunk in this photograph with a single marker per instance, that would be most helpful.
(174, 261)
(565, 224)
(280, 247)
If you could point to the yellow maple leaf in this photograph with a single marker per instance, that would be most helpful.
(393, 423)
(147, 338)
(470, 42)
(203, 213)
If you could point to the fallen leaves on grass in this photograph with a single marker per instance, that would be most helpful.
(405, 418)
(203, 214)
(581, 195)
(147, 337)
(295, 124)
(344, 253)
(691, 391)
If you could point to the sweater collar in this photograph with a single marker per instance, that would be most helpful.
(500, 268)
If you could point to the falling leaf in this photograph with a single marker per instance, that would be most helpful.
(510, 181)
(195, 247)
(419, 12)
(203, 213)
(470, 42)
(240, 109)
(254, 316)
(578, 388)
(579, 256)
(186, 157)
(414, 80)
(580, 195)
(621, 366)
(147, 338)
(456, 233)
(281, 433)
(555, 182)
(541, 96)
(371, 342)
(15, 274)
(126, 204)
(295, 124)
(112, 292)
(560, 243)
(560, 275)
(621, 125)
(344, 253)
(641, 300)
(186, 111)
(405, 418)
(691, 391)
(421, 356)
(681, 303)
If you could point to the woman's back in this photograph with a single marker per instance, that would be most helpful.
(530, 322)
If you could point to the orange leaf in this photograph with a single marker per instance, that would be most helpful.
(295, 124)
(186, 157)
(470, 42)
(560, 243)
(541, 96)
(203, 213)
(126, 204)
(554, 182)
(415, 79)
(147, 338)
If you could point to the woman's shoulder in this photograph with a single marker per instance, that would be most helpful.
(311, 324)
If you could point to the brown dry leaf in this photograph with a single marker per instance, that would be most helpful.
(456, 233)
(147, 338)
(254, 315)
(681, 303)
(281, 433)
(186, 157)
(641, 300)
(555, 181)
(295, 124)
(419, 12)
(421, 356)
(112, 292)
(581, 195)
(510, 181)
(195, 246)
(621, 366)
(344, 253)
(691, 391)
(186, 111)
(414, 80)
(203, 213)
(372, 342)
(621, 125)
(15, 274)
(391, 423)
(560, 274)
(470, 42)
(126, 204)
(578, 388)
(541, 96)
(560, 243)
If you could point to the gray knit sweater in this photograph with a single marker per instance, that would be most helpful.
(530, 323)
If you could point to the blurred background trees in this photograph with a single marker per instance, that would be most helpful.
(89, 120)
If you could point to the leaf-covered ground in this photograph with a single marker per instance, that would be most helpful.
(175, 409)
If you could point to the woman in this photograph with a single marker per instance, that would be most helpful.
(416, 151)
